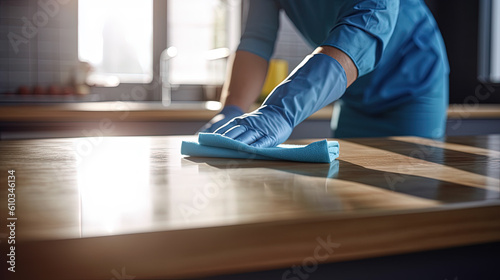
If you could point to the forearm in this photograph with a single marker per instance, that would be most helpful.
(350, 69)
(319, 80)
(245, 80)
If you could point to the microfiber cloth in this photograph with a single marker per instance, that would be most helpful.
(216, 145)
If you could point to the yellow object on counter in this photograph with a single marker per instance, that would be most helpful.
(277, 72)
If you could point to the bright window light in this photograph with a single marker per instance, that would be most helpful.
(115, 37)
(202, 38)
(113, 181)
(495, 42)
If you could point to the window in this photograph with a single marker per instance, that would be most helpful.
(201, 34)
(116, 38)
(489, 41)
(189, 48)
(495, 42)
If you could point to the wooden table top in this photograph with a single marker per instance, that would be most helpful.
(96, 208)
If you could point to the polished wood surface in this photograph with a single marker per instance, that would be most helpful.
(92, 208)
(155, 111)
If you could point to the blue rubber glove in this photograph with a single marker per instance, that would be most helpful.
(315, 83)
(227, 114)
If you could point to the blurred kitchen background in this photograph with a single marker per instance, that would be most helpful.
(175, 52)
(48, 46)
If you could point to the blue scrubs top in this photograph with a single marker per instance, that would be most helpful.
(402, 85)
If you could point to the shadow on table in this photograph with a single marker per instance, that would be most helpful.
(469, 162)
(322, 170)
(419, 186)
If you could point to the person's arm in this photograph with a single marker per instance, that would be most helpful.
(248, 73)
(242, 88)
(350, 69)
(249, 64)
(359, 38)
(245, 80)
(363, 30)
(245, 83)
(317, 81)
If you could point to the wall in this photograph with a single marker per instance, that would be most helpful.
(458, 22)
(38, 43)
(289, 45)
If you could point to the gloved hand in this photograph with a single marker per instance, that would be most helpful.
(315, 83)
(227, 113)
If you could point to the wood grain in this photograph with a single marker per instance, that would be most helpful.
(90, 207)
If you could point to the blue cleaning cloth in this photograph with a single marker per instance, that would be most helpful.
(216, 145)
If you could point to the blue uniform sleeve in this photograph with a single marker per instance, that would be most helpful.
(261, 28)
(363, 30)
